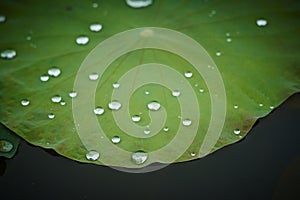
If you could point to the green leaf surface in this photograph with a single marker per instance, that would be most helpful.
(9, 142)
(259, 66)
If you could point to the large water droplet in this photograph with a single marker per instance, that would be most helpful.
(98, 110)
(93, 76)
(25, 102)
(51, 116)
(139, 157)
(82, 40)
(188, 74)
(139, 3)
(95, 27)
(136, 118)
(176, 93)
(153, 106)
(8, 54)
(5, 146)
(186, 122)
(72, 94)
(54, 71)
(56, 99)
(92, 155)
(116, 85)
(261, 22)
(114, 105)
(147, 131)
(116, 139)
(237, 131)
(44, 78)
(2, 18)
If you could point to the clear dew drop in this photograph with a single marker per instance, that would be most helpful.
(237, 131)
(44, 78)
(62, 103)
(25, 102)
(227, 34)
(153, 106)
(116, 139)
(8, 54)
(186, 122)
(228, 39)
(166, 129)
(82, 40)
(95, 27)
(201, 90)
(176, 93)
(271, 107)
(93, 76)
(261, 22)
(116, 85)
(2, 18)
(139, 157)
(72, 94)
(54, 72)
(147, 131)
(114, 105)
(92, 155)
(193, 154)
(235, 106)
(218, 53)
(147, 92)
(99, 110)
(188, 74)
(139, 3)
(5, 146)
(56, 99)
(51, 116)
(136, 118)
(95, 5)
(260, 105)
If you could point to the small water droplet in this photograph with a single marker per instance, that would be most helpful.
(56, 99)
(176, 93)
(8, 54)
(147, 92)
(153, 106)
(271, 107)
(235, 106)
(95, 5)
(139, 157)
(212, 13)
(54, 71)
(5, 146)
(93, 76)
(201, 90)
(114, 105)
(99, 110)
(261, 22)
(95, 27)
(62, 103)
(261, 105)
(136, 118)
(147, 131)
(82, 40)
(28, 37)
(51, 116)
(186, 122)
(116, 85)
(25, 102)
(193, 154)
(218, 53)
(44, 78)
(139, 3)
(72, 94)
(237, 131)
(228, 40)
(227, 34)
(188, 74)
(2, 18)
(92, 155)
(166, 129)
(116, 139)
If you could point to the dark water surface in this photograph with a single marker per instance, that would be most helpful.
(264, 165)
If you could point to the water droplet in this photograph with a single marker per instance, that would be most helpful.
(166, 129)
(188, 74)
(25, 102)
(2, 18)
(139, 3)
(271, 107)
(55, 72)
(116, 139)
(95, 5)
(218, 53)
(92, 155)
(193, 154)
(51, 116)
(176, 93)
(62, 103)
(114, 105)
(95, 27)
(5, 146)
(201, 90)
(44, 78)
(261, 22)
(227, 34)
(147, 92)
(93, 76)
(228, 39)
(8, 54)
(72, 94)
(147, 131)
(28, 37)
(196, 84)
(116, 85)
(98, 110)
(82, 40)
(186, 122)
(136, 118)
(235, 106)
(237, 131)
(153, 106)
(139, 157)
(56, 99)
(261, 105)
